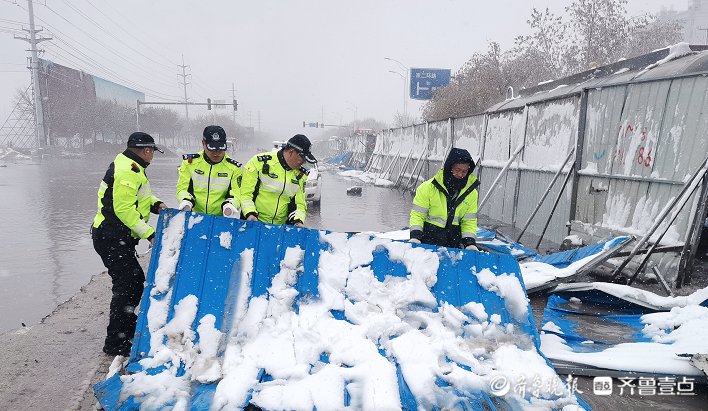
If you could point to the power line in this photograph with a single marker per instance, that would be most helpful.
(113, 35)
(122, 56)
(128, 32)
(19, 23)
(196, 80)
(109, 72)
(96, 64)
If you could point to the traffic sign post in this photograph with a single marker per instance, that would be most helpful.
(424, 81)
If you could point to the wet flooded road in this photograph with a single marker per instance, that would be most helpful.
(47, 207)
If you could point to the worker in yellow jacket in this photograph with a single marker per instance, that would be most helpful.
(444, 209)
(273, 185)
(209, 181)
(125, 202)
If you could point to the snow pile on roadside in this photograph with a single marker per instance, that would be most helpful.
(367, 177)
(315, 358)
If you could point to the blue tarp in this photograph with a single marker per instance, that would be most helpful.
(341, 158)
(210, 266)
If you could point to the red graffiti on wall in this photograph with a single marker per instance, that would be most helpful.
(643, 157)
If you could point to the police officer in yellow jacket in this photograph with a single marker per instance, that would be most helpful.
(273, 186)
(209, 181)
(444, 209)
(125, 202)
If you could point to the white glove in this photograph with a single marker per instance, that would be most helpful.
(185, 205)
(230, 211)
(472, 247)
(414, 241)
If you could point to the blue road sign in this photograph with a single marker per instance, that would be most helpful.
(424, 81)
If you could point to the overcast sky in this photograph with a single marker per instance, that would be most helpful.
(290, 61)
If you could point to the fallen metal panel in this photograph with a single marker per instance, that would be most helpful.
(589, 331)
(227, 264)
(602, 251)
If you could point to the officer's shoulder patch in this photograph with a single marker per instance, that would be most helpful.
(190, 156)
(264, 157)
(135, 168)
(234, 162)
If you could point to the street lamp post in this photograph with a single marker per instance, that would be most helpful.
(406, 70)
(403, 78)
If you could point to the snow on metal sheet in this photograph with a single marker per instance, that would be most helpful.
(600, 327)
(439, 141)
(683, 138)
(239, 312)
(468, 133)
(603, 118)
(551, 133)
(641, 142)
(497, 147)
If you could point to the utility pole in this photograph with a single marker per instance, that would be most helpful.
(184, 84)
(34, 67)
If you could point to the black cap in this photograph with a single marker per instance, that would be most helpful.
(302, 145)
(142, 140)
(215, 137)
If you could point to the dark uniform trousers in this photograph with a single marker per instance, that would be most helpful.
(118, 255)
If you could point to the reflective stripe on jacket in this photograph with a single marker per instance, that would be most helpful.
(125, 199)
(275, 192)
(431, 221)
(208, 185)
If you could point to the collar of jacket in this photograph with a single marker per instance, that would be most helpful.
(136, 158)
(281, 158)
(206, 158)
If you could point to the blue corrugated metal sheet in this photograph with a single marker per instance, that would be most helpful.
(590, 321)
(563, 259)
(212, 272)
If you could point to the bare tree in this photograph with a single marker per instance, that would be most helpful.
(590, 33)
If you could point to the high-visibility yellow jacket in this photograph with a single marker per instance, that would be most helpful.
(438, 219)
(209, 185)
(125, 199)
(272, 191)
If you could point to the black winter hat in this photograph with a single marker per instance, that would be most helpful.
(142, 140)
(302, 145)
(214, 137)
